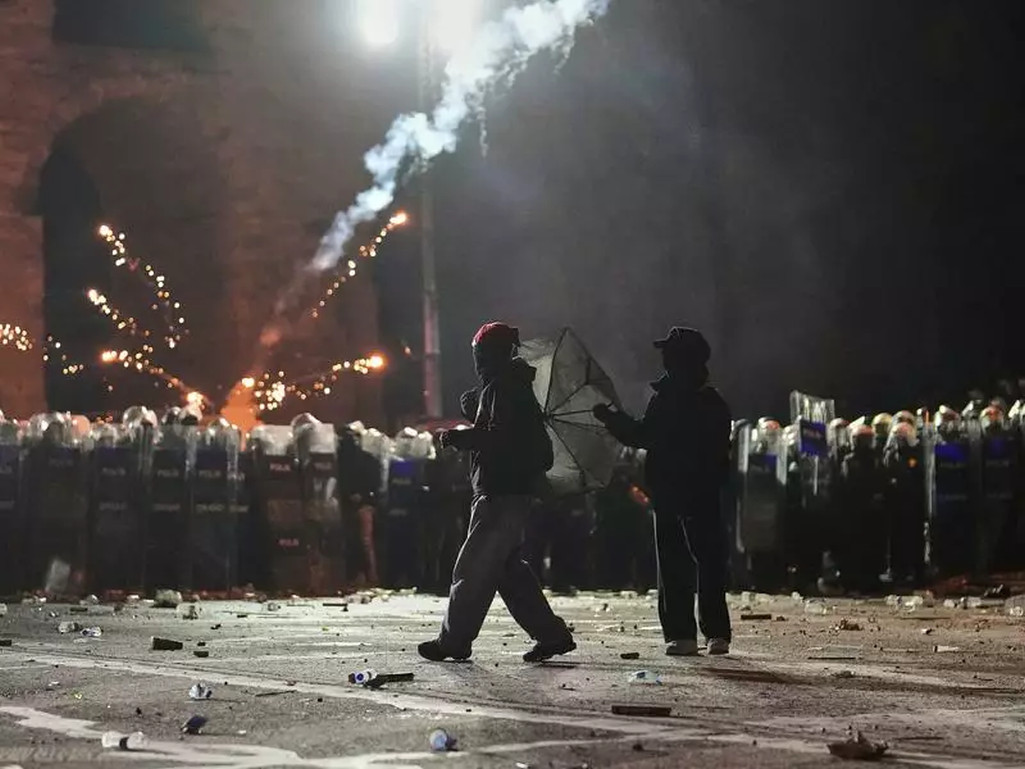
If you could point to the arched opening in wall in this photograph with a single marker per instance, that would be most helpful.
(144, 167)
(73, 262)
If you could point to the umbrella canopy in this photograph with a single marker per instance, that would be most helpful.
(569, 383)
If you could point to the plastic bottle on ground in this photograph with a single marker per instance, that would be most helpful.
(645, 677)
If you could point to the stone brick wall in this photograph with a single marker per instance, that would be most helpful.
(222, 167)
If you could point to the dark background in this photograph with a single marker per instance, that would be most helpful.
(831, 189)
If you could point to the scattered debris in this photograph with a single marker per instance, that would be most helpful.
(187, 611)
(92, 632)
(274, 693)
(780, 618)
(655, 711)
(638, 747)
(644, 677)
(846, 624)
(201, 653)
(843, 674)
(361, 677)
(272, 606)
(166, 645)
(815, 607)
(241, 615)
(999, 591)
(200, 691)
(194, 725)
(89, 600)
(756, 617)
(858, 748)
(58, 575)
(336, 605)
(68, 627)
(926, 631)
(216, 627)
(133, 741)
(630, 655)
(946, 649)
(167, 599)
(4, 642)
(3, 610)
(387, 678)
(1015, 607)
(78, 609)
(442, 741)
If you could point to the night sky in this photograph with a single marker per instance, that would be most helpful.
(833, 191)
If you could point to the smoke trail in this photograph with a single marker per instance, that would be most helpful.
(498, 53)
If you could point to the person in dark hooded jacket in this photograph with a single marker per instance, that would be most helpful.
(686, 432)
(510, 452)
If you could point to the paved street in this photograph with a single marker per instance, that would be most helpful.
(281, 695)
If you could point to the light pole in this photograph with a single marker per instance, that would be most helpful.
(432, 337)
(440, 24)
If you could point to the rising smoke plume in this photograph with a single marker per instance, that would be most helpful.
(498, 53)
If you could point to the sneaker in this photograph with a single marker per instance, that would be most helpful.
(542, 652)
(435, 652)
(682, 647)
(718, 646)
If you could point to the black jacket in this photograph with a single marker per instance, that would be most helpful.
(686, 433)
(509, 447)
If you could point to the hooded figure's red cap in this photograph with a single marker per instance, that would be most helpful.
(497, 333)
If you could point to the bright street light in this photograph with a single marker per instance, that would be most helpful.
(379, 21)
(452, 23)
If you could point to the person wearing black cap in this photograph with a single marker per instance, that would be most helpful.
(510, 452)
(686, 432)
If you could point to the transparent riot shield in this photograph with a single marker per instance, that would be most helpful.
(12, 513)
(214, 528)
(950, 532)
(762, 467)
(862, 509)
(1017, 416)
(402, 529)
(116, 544)
(905, 504)
(242, 510)
(317, 451)
(283, 536)
(168, 550)
(58, 505)
(999, 470)
(813, 522)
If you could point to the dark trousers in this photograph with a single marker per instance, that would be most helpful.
(490, 561)
(691, 547)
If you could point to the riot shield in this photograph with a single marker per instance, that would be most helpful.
(813, 522)
(283, 536)
(316, 447)
(214, 527)
(997, 521)
(58, 506)
(401, 530)
(761, 457)
(168, 552)
(951, 526)
(12, 518)
(905, 505)
(116, 544)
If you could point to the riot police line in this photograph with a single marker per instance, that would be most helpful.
(301, 508)
(872, 505)
(819, 504)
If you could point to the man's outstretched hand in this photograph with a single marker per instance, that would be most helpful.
(452, 438)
